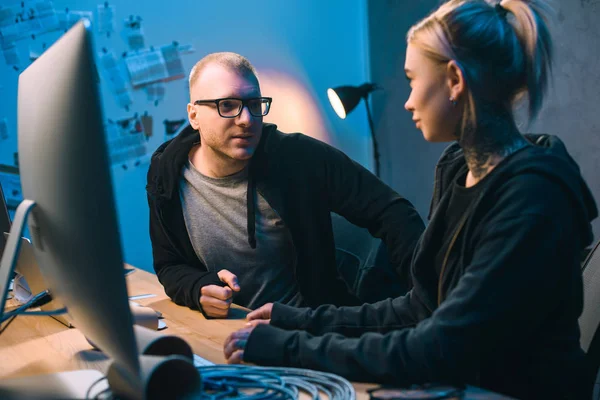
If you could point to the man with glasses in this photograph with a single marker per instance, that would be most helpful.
(240, 212)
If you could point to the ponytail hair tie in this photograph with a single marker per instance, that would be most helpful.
(501, 10)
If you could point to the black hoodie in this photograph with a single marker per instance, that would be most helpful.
(504, 314)
(304, 180)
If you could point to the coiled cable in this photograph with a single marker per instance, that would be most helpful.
(271, 383)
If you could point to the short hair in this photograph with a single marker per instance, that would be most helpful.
(503, 50)
(232, 61)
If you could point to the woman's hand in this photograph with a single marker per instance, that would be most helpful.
(261, 315)
(235, 344)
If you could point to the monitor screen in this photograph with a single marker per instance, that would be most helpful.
(64, 168)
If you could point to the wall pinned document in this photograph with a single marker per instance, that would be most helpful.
(172, 126)
(46, 15)
(133, 33)
(155, 92)
(19, 22)
(68, 18)
(154, 65)
(146, 121)
(106, 19)
(126, 141)
(11, 56)
(117, 78)
(35, 50)
(11, 185)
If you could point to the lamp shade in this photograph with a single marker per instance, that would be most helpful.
(344, 99)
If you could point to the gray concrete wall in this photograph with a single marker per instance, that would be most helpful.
(572, 109)
(407, 160)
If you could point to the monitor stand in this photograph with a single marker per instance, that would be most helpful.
(11, 249)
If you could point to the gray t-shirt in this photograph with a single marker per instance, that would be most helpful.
(215, 214)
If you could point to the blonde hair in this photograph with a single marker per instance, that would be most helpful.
(232, 61)
(503, 50)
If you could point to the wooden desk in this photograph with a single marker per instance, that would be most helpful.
(38, 345)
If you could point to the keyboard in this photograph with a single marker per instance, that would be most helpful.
(201, 362)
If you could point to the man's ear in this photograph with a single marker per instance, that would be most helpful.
(192, 116)
(455, 80)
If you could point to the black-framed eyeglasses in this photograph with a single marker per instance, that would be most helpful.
(231, 107)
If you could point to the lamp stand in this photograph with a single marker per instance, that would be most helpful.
(373, 138)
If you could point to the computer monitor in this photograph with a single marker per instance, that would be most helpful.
(68, 200)
(64, 169)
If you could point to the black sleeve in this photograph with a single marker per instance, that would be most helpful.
(475, 314)
(182, 282)
(383, 316)
(364, 200)
(515, 279)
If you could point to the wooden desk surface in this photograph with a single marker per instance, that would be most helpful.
(38, 345)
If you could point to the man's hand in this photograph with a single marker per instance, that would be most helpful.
(216, 300)
(261, 315)
(235, 345)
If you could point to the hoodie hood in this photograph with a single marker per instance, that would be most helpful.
(547, 156)
(553, 160)
(170, 157)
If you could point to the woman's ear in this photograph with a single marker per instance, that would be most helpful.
(455, 80)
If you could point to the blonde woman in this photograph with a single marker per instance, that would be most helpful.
(497, 283)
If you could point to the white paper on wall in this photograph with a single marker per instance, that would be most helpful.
(147, 124)
(68, 18)
(8, 16)
(15, 32)
(47, 17)
(44, 15)
(33, 55)
(186, 49)
(32, 19)
(146, 67)
(155, 92)
(173, 61)
(133, 33)
(106, 18)
(124, 99)
(11, 56)
(11, 185)
(153, 65)
(115, 75)
(43, 8)
(126, 140)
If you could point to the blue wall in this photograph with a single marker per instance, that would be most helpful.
(299, 47)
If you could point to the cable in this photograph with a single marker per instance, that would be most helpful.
(38, 300)
(88, 393)
(59, 311)
(106, 391)
(245, 382)
(224, 384)
(7, 324)
(242, 382)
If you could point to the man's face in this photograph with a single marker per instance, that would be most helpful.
(228, 138)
